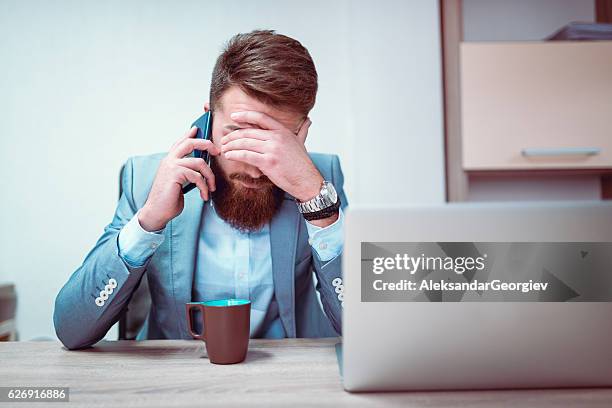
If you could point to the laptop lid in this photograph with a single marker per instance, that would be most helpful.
(476, 344)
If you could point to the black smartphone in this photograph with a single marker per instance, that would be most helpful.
(204, 131)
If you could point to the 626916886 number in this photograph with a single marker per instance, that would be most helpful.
(34, 394)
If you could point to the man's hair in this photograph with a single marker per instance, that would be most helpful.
(270, 67)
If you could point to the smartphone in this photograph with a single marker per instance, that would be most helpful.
(204, 131)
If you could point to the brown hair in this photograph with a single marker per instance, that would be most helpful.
(270, 67)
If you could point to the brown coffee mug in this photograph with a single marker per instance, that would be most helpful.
(225, 328)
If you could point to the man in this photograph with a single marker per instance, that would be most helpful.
(267, 215)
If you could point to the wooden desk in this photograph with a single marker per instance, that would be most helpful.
(285, 373)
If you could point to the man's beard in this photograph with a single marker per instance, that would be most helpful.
(246, 209)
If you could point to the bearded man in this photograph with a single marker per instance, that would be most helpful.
(268, 213)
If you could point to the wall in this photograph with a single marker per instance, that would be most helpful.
(86, 84)
(526, 20)
(521, 20)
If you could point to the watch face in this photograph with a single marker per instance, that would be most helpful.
(329, 191)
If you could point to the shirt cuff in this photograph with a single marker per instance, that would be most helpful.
(137, 245)
(328, 241)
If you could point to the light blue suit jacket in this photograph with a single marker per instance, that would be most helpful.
(80, 321)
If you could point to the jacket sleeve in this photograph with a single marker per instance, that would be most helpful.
(329, 274)
(92, 299)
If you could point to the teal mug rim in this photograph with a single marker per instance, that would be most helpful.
(230, 302)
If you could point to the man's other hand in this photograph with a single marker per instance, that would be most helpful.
(275, 150)
(165, 200)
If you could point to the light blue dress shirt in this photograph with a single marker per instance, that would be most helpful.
(232, 264)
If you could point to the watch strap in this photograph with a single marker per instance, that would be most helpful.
(324, 213)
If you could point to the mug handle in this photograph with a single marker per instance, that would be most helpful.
(188, 308)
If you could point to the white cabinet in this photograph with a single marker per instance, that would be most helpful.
(536, 105)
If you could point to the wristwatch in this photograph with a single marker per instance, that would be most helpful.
(323, 205)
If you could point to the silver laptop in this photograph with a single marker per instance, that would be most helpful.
(477, 339)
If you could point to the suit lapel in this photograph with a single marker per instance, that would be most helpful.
(184, 237)
(283, 238)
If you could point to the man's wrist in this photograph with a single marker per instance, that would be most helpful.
(148, 221)
(311, 189)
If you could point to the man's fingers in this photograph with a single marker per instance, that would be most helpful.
(303, 132)
(196, 178)
(254, 145)
(256, 118)
(187, 146)
(251, 133)
(189, 134)
(201, 167)
(246, 156)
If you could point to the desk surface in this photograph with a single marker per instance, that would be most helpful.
(292, 372)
